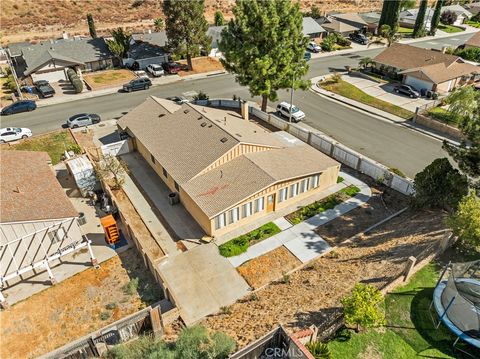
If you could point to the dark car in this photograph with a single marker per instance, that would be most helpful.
(171, 67)
(407, 90)
(359, 38)
(44, 88)
(83, 119)
(19, 106)
(142, 83)
(307, 56)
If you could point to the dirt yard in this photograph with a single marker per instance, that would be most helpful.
(201, 65)
(269, 267)
(108, 78)
(312, 295)
(77, 306)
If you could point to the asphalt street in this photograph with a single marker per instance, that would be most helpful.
(391, 144)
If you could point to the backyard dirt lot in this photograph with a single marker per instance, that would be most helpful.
(77, 306)
(312, 295)
(201, 65)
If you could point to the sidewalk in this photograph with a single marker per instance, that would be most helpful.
(301, 239)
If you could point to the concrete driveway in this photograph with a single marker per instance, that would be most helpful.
(385, 92)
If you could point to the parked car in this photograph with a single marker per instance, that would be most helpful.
(171, 67)
(14, 133)
(407, 90)
(283, 109)
(140, 74)
(44, 88)
(314, 47)
(307, 56)
(83, 119)
(359, 38)
(179, 100)
(19, 106)
(141, 83)
(155, 70)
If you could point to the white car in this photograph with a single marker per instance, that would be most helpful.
(14, 133)
(283, 109)
(141, 74)
(155, 70)
(313, 47)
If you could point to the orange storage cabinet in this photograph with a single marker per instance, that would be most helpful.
(110, 228)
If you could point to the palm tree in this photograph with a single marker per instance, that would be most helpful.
(365, 62)
(387, 36)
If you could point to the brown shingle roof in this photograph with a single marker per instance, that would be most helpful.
(338, 26)
(406, 57)
(439, 73)
(30, 190)
(474, 40)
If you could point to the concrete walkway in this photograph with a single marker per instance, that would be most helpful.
(300, 239)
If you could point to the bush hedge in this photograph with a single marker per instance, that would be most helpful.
(77, 84)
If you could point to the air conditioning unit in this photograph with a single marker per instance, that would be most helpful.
(173, 198)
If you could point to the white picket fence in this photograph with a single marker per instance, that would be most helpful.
(329, 146)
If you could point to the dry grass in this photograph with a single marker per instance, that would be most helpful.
(264, 269)
(313, 294)
(108, 78)
(201, 65)
(72, 308)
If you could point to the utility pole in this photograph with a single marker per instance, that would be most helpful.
(291, 98)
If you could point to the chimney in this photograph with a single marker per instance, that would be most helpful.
(65, 35)
(244, 109)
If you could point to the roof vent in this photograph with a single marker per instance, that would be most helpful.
(185, 111)
(199, 118)
(210, 126)
(161, 115)
(203, 124)
(223, 139)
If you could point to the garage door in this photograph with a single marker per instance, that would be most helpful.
(53, 76)
(417, 83)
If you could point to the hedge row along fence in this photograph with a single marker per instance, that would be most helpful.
(75, 80)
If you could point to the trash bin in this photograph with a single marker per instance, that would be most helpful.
(423, 92)
(81, 219)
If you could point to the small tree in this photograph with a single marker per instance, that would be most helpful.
(195, 342)
(328, 42)
(364, 307)
(201, 96)
(470, 53)
(120, 44)
(77, 84)
(159, 24)
(439, 185)
(465, 223)
(218, 18)
(436, 17)
(91, 26)
(365, 62)
(387, 35)
(448, 17)
(319, 350)
(112, 167)
(314, 12)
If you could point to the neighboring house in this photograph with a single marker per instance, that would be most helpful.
(407, 18)
(227, 171)
(338, 27)
(353, 19)
(460, 11)
(48, 60)
(147, 49)
(312, 29)
(372, 19)
(474, 41)
(473, 8)
(426, 69)
(38, 223)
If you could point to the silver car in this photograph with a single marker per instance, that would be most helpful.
(83, 119)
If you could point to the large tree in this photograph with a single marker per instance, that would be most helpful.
(120, 44)
(419, 28)
(264, 46)
(436, 17)
(186, 27)
(465, 223)
(91, 26)
(390, 13)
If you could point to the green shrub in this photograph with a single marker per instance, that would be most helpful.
(70, 73)
(340, 179)
(397, 172)
(131, 287)
(77, 85)
(364, 307)
(351, 190)
(105, 315)
(111, 306)
(343, 41)
(319, 350)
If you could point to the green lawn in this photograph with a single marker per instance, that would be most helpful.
(346, 89)
(442, 115)
(409, 332)
(473, 23)
(449, 28)
(54, 143)
(239, 245)
(404, 30)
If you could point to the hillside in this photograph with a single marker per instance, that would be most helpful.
(30, 20)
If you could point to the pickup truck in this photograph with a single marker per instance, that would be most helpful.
(44, 88)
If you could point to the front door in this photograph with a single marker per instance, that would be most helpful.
(271, 203)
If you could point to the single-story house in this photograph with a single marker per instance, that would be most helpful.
(312, 29)
(372, 19)
(226, 170)
(38, 223)
(407, 18)
(473, 8)
(146, 49)
(48, 60)
(462, 13)
(353, 19)
(474, 41)
(338, 27)
(426, 69)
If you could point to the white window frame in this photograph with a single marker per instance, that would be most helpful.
(315, 181)
(283, 194)
(220, 220)
(259, 204)
(294, 190)
(304, 185)
(234, 215)
(247, 209)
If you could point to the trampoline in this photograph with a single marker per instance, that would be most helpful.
(457, 303)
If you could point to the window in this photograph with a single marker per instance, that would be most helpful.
(233, 215)
(220, 221)
(247, 209)
(177, 187)
(152, 158)
(165, 173)
(57, 235)
(259, 204)
(304, 185)
(294, 190)
(283, 195)
(315, 180)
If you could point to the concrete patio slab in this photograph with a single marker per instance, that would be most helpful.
(306, 249)
(282, 223)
